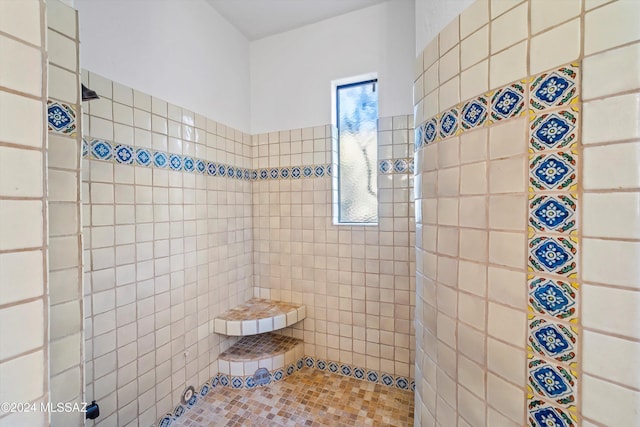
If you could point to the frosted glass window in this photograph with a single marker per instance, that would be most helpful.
(357, 108)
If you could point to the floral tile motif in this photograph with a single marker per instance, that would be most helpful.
(552, 340)
(449, 123)
(400, 166)
(542, 414)
(385, 167)
(319, 171)
(552, 381)
(474, 113)
(555, 130)
(143, 157)
(555, 171)
(554, 255)
(553, 297)
(101, 150)
(507, 102)
(61, 118)
(175, 162)
(430, 132)
(188, 164)
(160, 160)
(285, 173)
(123, 154)
(212, 169)
(295, 172)
(555, 213)
(201, 166)
(554, 89)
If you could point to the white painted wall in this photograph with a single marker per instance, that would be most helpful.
(291, 72)
(180, 51)
(432, 16)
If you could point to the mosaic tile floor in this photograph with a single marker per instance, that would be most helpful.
(310, 398)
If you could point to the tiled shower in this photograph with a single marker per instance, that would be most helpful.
(505, 295)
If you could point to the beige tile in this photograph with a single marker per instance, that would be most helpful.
(473, 245)
(23, 378)
(611, 215)
(63, 85)
(473, 212)
(611, 262)
(449, 93)
(547, 13)
(506, 360)
(509, 28)
(547, 53)
(472, 277)
(620, 402)
(508, 65)
(473, 146)
(22, 70)
(22, 20)
(448, 153)
(448, 211)
(62, 18)
(448, 241)
(63, 152)
(498, 7)
(431, 79)
(17, 109)
(19, 340)
(508, 139)
(102, 86)
(471, 376)
(601, 35)
(20, 224)
(22, 272)
(63, 252)
(449, 36)
(431, 53)
(449, 64)
(472, 310)
(474, 17)
(596, 72)
(626, 174)
(507, 249)
(62, 51)
(508, 212)
(474, 48)
(448, 181)
(507, 398)
(507, 176)
(611, 119)
(607, 357)
(507, 286)
(20, 172)
(471, 343)
(475, 80)
(611, 310)
(473, 179)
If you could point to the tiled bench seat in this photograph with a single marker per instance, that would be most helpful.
(270, 351)
(258, 316)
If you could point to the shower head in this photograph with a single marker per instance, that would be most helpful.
(88, 94)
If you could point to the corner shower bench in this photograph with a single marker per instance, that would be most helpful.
(260, 356)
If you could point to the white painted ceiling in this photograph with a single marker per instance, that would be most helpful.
(261, 18)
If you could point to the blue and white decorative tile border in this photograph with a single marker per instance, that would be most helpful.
(553, 248)
(555, 90)
(61, 118)
(551, 100)
(394, 166)
(371, 376)
(100, 149)
(247, 382)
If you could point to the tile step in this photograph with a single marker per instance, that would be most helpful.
(270, 351)
(258, 316)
